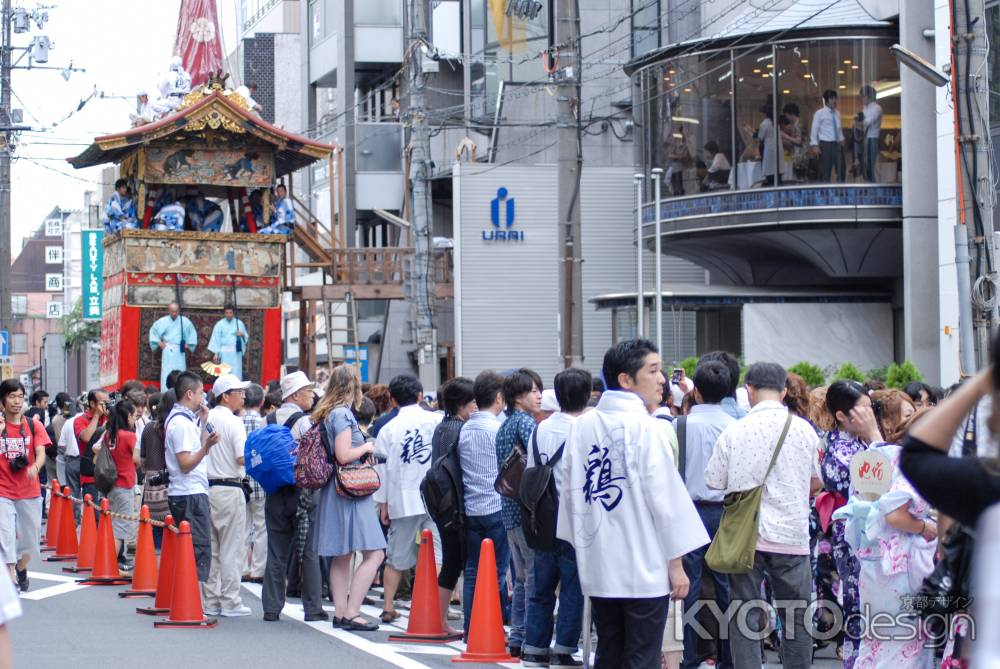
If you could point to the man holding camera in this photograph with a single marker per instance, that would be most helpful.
(88, 428)
(189, 438)
(226, 500)
(22, 444)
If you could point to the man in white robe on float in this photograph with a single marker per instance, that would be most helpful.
(229, 342)
(174, 335)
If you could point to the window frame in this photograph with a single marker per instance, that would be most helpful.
(658, 29)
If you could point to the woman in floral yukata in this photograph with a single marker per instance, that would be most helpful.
(894, 539)
(856, 427)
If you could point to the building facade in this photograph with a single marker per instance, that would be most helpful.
(825, 243)
(37, 290)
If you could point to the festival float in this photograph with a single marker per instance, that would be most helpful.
(213, 146)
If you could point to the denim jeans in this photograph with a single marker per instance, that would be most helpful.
(478, 528)
(524, 583)
(695, 567)
(552, 569)
(871, 159)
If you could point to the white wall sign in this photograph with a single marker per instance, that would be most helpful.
(54, 310)
(53, 227)
(53, 255)
(54, 282)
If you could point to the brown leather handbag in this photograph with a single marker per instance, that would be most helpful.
(508, 482)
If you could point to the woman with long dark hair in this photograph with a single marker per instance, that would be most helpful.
(153, 461)
(119, 439)
(855, 427)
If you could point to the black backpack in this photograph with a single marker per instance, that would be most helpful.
(540, 500)
(443, 493)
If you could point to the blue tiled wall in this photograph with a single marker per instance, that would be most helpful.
(785, 198)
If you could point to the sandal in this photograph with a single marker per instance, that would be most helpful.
(389, 616)
(355, 626)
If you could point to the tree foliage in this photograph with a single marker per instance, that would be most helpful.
(849, 371)
(77, 331)
(898, 376)
(810, 373)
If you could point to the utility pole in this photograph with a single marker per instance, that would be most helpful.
(5, 136)
(567, 49)
(422, 271)
(970, 87)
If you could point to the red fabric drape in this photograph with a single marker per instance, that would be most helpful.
(198, 41)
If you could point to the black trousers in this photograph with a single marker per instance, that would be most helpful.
(831, 155)
(452, 558)
(629, 632)
(279, 518)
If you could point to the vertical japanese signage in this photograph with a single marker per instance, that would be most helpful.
(93, 272)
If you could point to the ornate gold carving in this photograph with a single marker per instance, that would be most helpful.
(215, 119)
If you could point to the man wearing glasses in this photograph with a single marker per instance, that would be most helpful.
(226, 500)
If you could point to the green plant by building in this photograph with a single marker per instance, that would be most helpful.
(810, 373)
(898, 376)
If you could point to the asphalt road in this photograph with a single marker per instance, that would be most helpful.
(66, 625)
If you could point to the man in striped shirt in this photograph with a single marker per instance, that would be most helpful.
(483, 520)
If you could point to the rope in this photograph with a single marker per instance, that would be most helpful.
(119, 516)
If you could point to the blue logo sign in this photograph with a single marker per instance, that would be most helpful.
(4, 343)
(502, 217)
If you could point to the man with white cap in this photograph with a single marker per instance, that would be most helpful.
(145, 112)
(221, 592)
(281, 509)
(173, 87)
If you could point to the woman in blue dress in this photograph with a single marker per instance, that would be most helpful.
(856, 427)
(347, 525)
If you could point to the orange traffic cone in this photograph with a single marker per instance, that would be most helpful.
(425, 613)
(67, 547)
(165, 580)
(144, 573)
(105, 571)
(88, 540)
(487, 642)
(55, 515)
(185, 604)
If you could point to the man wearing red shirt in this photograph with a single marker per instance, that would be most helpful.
(85, 426)
(22, 456)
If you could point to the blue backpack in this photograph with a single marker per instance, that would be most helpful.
(268, 455)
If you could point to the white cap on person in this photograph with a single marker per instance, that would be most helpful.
(549, 401)
(228, 382)
(293, 383)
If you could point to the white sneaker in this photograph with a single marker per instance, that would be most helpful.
(211, 612)
(238, 612)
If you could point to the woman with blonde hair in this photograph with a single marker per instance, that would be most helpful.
(892, 409)
(347, 525)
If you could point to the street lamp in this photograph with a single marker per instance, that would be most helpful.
(919, 65)
(640, 302)
(658, 293)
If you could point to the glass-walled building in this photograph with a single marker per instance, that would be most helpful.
(779, 138)
(748, 116)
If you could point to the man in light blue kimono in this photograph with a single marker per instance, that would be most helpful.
(229, 341)
(175, 336)
(170, 216)
(120, 210)
(204, 215)
(283, 220)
